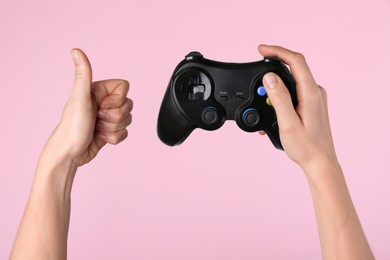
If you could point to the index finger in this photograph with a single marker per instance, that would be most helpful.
(299, 68)
(110, 93)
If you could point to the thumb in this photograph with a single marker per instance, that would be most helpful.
(82, 72)
(281, 100)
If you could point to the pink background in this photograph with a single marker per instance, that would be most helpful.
(225, 194)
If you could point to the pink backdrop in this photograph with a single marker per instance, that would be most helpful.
(225, 194)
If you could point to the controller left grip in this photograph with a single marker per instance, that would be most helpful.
(172, 127)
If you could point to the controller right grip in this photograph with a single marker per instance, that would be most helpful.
(172, 126)
(273, 134)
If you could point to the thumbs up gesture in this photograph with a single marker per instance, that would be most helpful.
(95, 114)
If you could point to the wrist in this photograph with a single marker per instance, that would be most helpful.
(324, 178)
(55, 173)
(318, 168)
(59, 149)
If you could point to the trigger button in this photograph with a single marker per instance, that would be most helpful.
(193, 55)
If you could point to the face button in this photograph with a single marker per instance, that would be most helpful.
(210, 115)
(251, 117)
(268, 101)
(261, 91)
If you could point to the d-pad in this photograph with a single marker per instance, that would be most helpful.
(194, 88)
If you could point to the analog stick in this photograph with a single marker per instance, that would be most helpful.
(210, 115)
(251, 117)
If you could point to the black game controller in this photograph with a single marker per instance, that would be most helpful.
(203, 94)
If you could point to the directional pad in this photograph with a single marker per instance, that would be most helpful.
(194, 88)
(193, 80)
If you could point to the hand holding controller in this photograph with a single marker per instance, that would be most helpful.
(203, 94)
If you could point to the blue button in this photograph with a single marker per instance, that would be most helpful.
(261, 91)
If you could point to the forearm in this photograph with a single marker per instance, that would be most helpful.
(44, 227)
(340, 231)
(76, 141)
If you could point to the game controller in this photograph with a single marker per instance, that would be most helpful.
(204, 93)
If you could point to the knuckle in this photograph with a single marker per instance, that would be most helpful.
(78, 75)
(323, 91)
(82, 73)
(125, 134)
(130, 104)
(126, 84)
(119, 137)
(128, 120)
(317, 95)
(287, 129)
(123, 84)
(117, 116)
(317, 98)
(320, 94)
(299, 57)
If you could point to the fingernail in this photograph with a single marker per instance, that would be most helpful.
(107, 105)
(100, 125)
(103, 114)
(270, 81)
(76, 57)
(102, 137)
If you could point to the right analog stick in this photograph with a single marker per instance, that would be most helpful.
(251, 117)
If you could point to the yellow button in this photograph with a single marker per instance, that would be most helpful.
(268, 101)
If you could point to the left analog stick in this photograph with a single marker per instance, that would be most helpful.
(210, 115)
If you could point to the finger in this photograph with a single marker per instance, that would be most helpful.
(262, 132)
(96, 145)
(110, 93)
(295, 60)
(116, 115)
(82, 73)
(112, 101)
(103, 126)
(281, 100)
(113, 137)
(299, 68)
